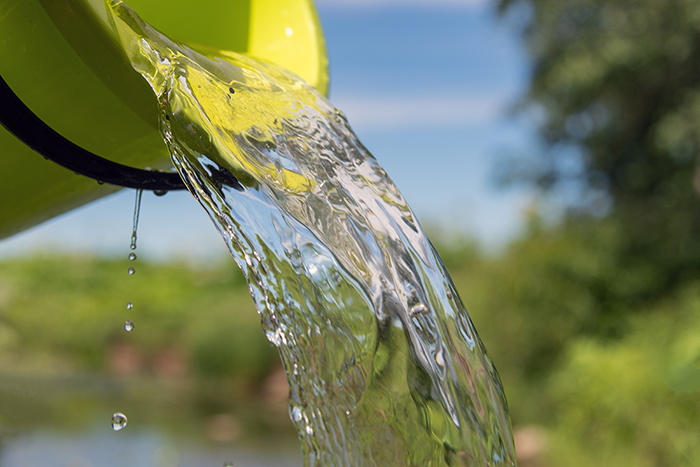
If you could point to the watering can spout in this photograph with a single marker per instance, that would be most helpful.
(68, 92)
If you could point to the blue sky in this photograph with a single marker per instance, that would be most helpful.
(426, 84)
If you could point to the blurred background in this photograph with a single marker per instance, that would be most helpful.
(550, 149)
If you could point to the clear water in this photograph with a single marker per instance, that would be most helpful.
(137, 210)
(119, 421)
(384, 365)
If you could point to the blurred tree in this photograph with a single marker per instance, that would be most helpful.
(616, 87)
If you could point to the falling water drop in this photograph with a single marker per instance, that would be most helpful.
(132, 256)
(129, 305)
(228, 464)
(129, 326)
(131, 271)
(118, 421)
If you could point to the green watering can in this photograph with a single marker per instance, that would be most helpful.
(69, 93)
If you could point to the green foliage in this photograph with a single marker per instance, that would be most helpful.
(601, 313)
(616, 403)
(223, 346)
(551, 285)
(619, 82)
(610, 371)
(72, 311)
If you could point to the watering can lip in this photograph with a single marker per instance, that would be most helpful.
(19, 120)
(265, 41)
(61, 59)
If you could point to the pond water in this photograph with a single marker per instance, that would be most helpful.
(141, 447)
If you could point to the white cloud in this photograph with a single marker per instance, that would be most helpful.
(384, 113)
(380, 3)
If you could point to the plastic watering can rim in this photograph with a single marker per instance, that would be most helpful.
(269, 25)
(17, 118)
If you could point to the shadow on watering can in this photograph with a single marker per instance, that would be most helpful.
(69, 93)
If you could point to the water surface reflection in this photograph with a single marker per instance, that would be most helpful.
(98, 446)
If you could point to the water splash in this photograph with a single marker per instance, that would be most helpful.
(384, 365)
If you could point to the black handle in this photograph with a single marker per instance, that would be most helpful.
(28, 127)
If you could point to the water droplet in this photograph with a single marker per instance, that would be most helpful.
(410, 289)
(296, 414)
(277, 337)
(419, 309)
(228, 464)
(129, 305)
(118, 421)
(131, 271)
(132, 256)
(440, 359)
(129, 326)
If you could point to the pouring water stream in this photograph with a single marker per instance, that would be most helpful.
(384, 365)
